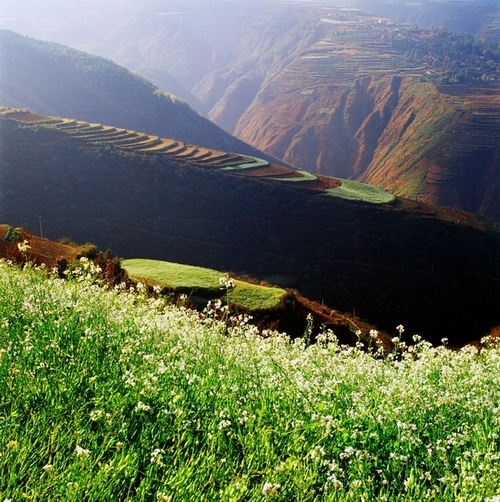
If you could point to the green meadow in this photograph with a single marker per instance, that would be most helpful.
(353, 190)
(196, 280)
(111, 395)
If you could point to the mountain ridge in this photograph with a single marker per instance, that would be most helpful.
(52, 79)
(375, 101)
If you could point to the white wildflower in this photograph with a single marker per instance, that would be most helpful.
(157, 457)
(81, 452)
(270, 488)
(224, 423)
(96, 415)
(23, 246)
(226, 282)
(140, 406)
(317, 453)
(348, 452)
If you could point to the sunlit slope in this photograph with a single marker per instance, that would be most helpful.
(205, 283)
(353, 95)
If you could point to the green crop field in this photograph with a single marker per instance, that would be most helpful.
(176, 276)
(352, 190)
(250, 162)
(306, 176)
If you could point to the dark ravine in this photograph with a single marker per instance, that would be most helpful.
(393, 266)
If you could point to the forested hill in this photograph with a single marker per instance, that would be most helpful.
(52, 79)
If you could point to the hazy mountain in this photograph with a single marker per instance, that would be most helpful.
(53, 79)
(188, 39)
(397, 263)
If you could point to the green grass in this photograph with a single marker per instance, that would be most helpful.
(111, 396)
(353, 190)
(306, 176)
(204, 280)
(254, 162)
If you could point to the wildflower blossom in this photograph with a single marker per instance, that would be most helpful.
(157, 457)
(224, 423)
(226, 282)
(270, 488)
(81, 452)
(96, 415)
(317, 453)
(23, 246)
(336, 483)
(140, 406)
(348, 452)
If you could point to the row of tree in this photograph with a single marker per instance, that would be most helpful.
(448, 56)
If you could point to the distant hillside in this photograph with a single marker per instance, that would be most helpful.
(434, 270)
(342, 93)
(188, 40)
(55, 80)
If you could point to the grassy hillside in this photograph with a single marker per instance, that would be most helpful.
(407, 264)
(53, 79)
(107, 395)
(353, 190)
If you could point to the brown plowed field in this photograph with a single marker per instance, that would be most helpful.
(41, 251)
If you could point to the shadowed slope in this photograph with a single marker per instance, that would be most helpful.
(394, 264)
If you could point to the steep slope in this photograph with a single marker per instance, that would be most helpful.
(355, 104)
(52, 79)
(408, 137)
(393, 263)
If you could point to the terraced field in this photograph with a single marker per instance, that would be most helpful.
(132, 141)
(356, 46)
(479, 128)
(94, 135)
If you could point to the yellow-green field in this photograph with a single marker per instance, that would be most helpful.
(175, 276)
